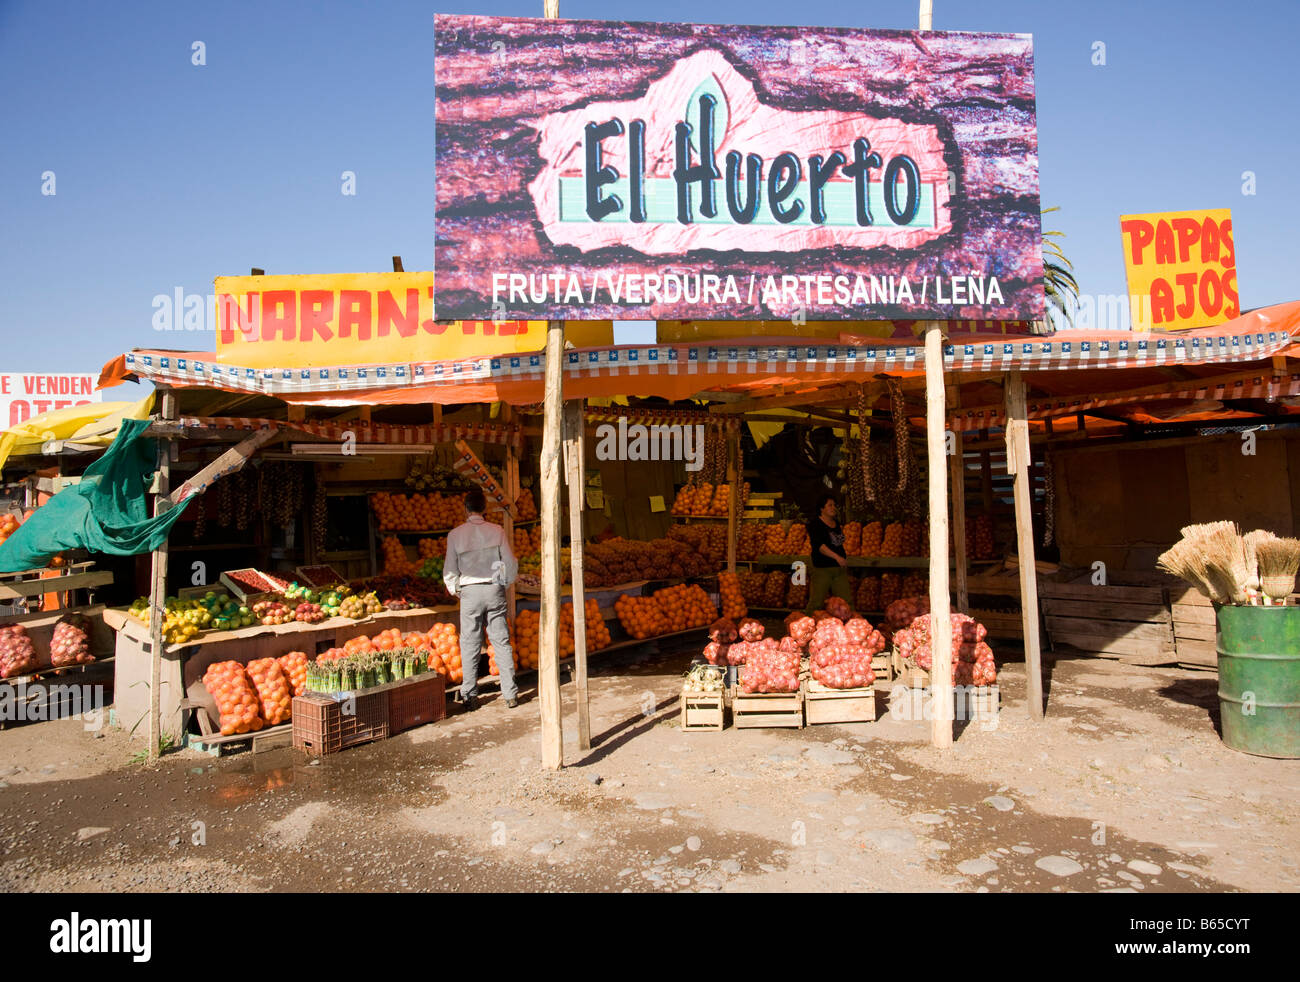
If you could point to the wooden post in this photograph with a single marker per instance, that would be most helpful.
(548, 667)
(1018, 464)
(940, 616)
(575, 472)
(548, 643)
(734, 479)
(512, 492)
(957, 491)
(158, 581)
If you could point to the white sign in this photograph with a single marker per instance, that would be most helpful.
(27, 394)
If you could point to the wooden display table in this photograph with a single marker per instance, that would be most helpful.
(183, 664)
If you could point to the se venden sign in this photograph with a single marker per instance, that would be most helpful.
(27, 394)
(676, 171)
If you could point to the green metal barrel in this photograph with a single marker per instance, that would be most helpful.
(1259, 679)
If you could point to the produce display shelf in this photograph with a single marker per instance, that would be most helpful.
(119, 620)
(382, 532)
(884, 562)
(702, 518)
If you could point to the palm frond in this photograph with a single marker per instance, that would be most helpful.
(1060, 287)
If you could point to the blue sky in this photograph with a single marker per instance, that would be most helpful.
(168, 174)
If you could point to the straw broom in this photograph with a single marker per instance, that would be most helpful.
(1250, 542)
(1185, 560)
(1279, 560)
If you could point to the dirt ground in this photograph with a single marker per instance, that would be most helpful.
(1124, 786)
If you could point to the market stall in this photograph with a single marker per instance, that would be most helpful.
(821, 378)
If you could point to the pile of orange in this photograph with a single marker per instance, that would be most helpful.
(444, 658)
(893, 542)
(685, 606)
(873, 534)
(706, 499)
(418, 512)
(396, 562)
(294, 665)
(272, 690)
(235, 697)
(528, 540)
(751, 540)
(733, 601)
(431, 548)
(641, 617)
(525, 506)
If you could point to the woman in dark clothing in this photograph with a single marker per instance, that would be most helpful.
(829, 572)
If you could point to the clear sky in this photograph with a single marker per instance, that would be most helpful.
(168, 174)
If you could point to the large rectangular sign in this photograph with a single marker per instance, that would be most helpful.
(27, 394)
(1182, 269)
(592, 169)
(311, 321)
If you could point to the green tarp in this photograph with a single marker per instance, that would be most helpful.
(107, 512)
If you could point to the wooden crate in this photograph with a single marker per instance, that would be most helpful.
(1130, 623)
(702, 710)
(1194, 628)
(905, 673)
(882, 666)
(756, 709)
(980, 702)
(825, 705)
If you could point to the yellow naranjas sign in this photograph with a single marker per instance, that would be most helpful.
(309, 321)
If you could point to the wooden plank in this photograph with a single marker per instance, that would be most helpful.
(1109, 629)
(576, 478)
(548, 670)
(1195, 632)
(825, 705)
(1018, 460)
(17, 589)
(1183, 595)
(1112, 646)
(1203, 654)
(940, 600)
(229, 462)
(1085, 591)
(1146, 613)
(1193, 614)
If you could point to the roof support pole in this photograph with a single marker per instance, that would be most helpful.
(1018, 464)
(158, 580)
(548, 651)
(575, 475)
(940, 615)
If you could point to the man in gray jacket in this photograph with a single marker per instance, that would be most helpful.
(479, 566)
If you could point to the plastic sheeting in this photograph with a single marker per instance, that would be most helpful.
(107, 512)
